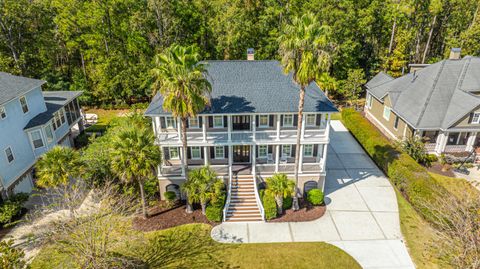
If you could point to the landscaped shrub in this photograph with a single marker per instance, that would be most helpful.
(151, 187)
(170, 197)
(315, 196)
(405, 173)
(287, 202)
(214, 213)
(269, 206)
(12, 208)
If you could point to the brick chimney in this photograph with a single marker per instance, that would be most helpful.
(455, 54)
(250, 54)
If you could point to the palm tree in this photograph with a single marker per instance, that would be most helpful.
(57, 169)
(135, 157)
(279, 186)
(305, 49)
(181, 80)
(327, 83)
(203, 186)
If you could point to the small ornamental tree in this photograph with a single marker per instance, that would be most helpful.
(279, 186)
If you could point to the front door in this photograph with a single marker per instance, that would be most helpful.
(241, 123)
(241, 154)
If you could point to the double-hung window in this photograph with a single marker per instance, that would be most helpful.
(262, 151)
(310, 119)
(193, 122)
(476, 118)
(9, 154)
(170, 121)
(58, 120)
(173, 153)
(195, 153)
(62, 115)
(49, 134)
(219, 152)
(23, 103)
(286, 150)
(369, 100)
(263, 120)
(3, 113)
(288, 120)
(36, 139)
(386, 113)
(308, 150)
(217, 121)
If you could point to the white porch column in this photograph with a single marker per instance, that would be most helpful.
(157, 127)
(254, 128)
(441, 142)
(205, 155)
(300, 161)
(230, 161)
(254, 158)
(302, 130)
(277, 157)
(278, 126)
(471, 141)
(229, 126)
(327, 126)
(179, 129)
(183, 160)
(323, 160)
(204, 128)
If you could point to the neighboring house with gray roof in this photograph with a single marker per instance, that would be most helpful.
(247, 134)
(439, 102)
(31, 122)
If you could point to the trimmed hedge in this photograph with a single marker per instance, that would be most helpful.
(269, 206)
(287, 202)
(315, 196)
(412, 179)
(214, 213)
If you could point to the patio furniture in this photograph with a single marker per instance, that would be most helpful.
(284, 160)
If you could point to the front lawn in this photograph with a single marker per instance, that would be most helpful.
(190, 246)
(104, 118)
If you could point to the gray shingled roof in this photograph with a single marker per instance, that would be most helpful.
(54, 101)
(14, 86)
(253, 87)
(435, 97)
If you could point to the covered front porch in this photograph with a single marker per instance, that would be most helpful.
(438, 142)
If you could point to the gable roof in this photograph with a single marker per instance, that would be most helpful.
(253, 87)
(436, 96)
(12, 86)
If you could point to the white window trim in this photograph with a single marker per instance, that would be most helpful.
(386, 108)
(170, 153)
(4, 112)
(288, 125)
(369, 101)
(6, 155)
(215, 126)
(263, 125)
(215, 153)
(199, 153)
(478, 119)
(41, 137)
(196, 126)
(53, 133)
(174, 121)
(304, 150)
(266, 151)
(289, 151)
(314, 120)
(26, 102)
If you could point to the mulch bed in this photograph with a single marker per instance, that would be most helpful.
(162, 217)
(437, 169)
(307, 212)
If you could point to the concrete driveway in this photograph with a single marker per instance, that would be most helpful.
(362, 212)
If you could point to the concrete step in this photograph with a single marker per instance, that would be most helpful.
(244, 206)
(245, 218)
(243, 212)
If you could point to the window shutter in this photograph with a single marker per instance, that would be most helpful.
(210, 121)
(281, 120)
(256, 120)
(318, 119)
(293, 150)
(270, 149)
(256, 152)
(270, 123)
(225, 121)
(295, 119)
(187, 124)
(163, 125)
(212, 152)
(200, 121)
(470, 118)
(189, 152)
(167, 153)
(315, 150)
(201, 153)
(225, 150)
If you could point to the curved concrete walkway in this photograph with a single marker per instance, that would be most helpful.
(362, 212)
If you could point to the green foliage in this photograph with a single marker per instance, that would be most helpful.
(280, 187)
(287, 202)
(315, 196)
(204, 186)
(11, 257)
(352, 86)
(411, 179)
(12, 208)
(269, 206)
(151, 187)
(214, 213)
(414, 147)
(58, 167)
(170, 196)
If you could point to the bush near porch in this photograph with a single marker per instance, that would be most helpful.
(412, 179)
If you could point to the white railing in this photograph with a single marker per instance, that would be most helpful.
(229, 193)
(257, 197)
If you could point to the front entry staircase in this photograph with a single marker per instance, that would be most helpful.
(243, 203)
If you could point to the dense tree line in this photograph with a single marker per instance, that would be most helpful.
(106, 47)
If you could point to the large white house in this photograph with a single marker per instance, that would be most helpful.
(247, 134)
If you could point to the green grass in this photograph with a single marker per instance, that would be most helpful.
(336, 116)
(104, 118)
(191, 246)
(456, 186)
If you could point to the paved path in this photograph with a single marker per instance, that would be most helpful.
(362, 212)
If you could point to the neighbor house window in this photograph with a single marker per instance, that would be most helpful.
(36, 139)
(219, 153)
(3, 113)
(262, 151)
(263, 120)
(217, 121)
(288, 120)
(49, 134)
(386, 113)
(9, 153)
(23, 102)
(195, 153)
(194, 122)
(173, 153)
(369, 100)
(310, 119)
(57, 120)
(170, 121)
(287, 150)
(62, 115)
(395, 124)
(476, 118)
(308, 150)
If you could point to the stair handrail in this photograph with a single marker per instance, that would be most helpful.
(229, 194)
(257, 197)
